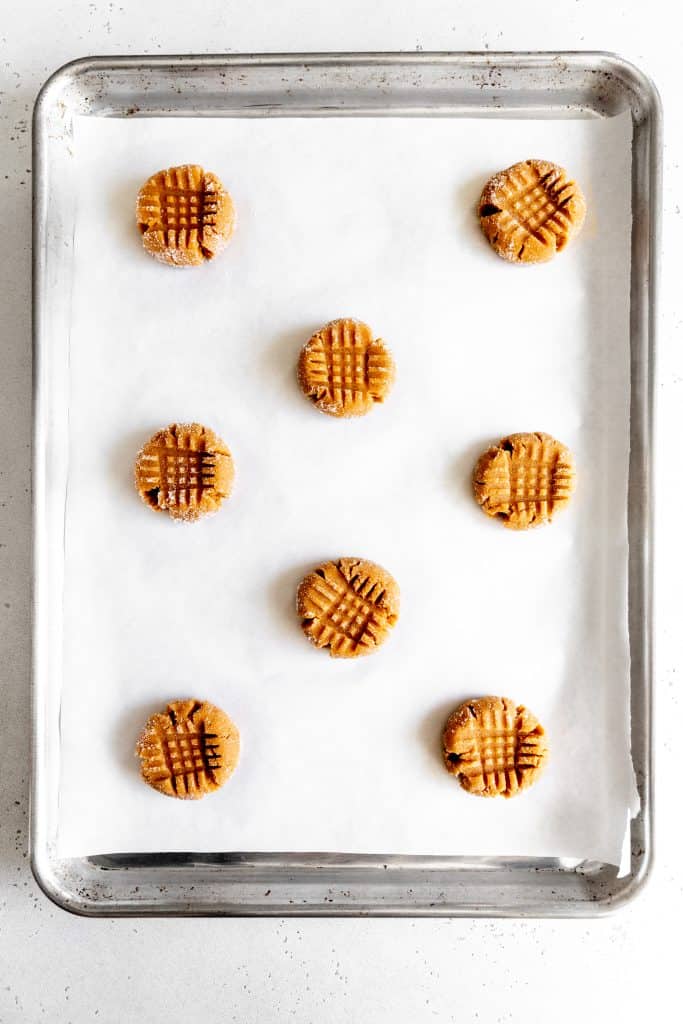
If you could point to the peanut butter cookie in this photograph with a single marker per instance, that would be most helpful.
(343, 370)
(530, 211)
(348, 606)
(493, 747)
(524, 479)
(189, 750)
(185, 470)
(185, 215)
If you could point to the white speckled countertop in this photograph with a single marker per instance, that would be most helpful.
(54, 967)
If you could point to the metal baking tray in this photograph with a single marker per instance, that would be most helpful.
(496, 85)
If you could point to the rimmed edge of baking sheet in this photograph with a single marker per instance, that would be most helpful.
(448, 84)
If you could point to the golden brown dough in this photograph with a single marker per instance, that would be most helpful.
(189, 750)
(524, 480)
(185, 215)
(493, 747)
(348, 606)
(530, 211)
(343, 370)
(185, 470)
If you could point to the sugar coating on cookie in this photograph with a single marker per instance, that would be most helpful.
(530, 211)
(524, 480)
(188, 750)
(494, 747)
(348, 606)
(185, 470)
(343, 370)
(185, 215)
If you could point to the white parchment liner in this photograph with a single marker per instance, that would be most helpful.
(371, 218)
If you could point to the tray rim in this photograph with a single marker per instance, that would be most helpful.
(643, 100)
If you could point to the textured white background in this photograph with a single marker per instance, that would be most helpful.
(59, 968)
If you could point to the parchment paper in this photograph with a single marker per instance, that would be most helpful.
(371, 218)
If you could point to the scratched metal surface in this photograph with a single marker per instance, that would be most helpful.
(483, 84)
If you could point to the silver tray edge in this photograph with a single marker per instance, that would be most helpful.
(320, 884)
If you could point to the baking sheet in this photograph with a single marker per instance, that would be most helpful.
(371, 218)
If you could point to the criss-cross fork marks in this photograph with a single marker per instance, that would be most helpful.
(536, 204)
(181, 209)
(178, 205)
(532, 483)
(496, 760)
(495, 755)
(345, 367)
(343, 614)
(186, 758)
(526, 479)
(177, 476)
